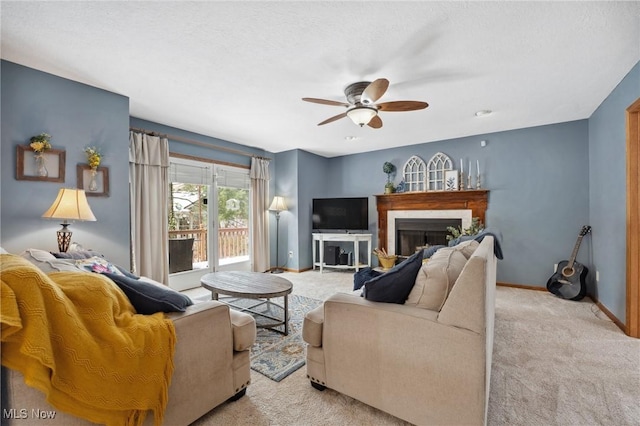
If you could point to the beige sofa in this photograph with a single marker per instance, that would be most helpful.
(211, 366)
(423, 365)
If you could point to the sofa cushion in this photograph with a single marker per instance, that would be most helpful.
(436, 278)
(364, 275)
(149, 298)
(395, 285)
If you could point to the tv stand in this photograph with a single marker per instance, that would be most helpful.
(319, 239)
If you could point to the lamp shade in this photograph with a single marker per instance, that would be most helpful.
(70, 204)
(278, 204)
(362, 115)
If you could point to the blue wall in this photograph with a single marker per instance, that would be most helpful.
(76, 115)
(538, 182)
(607, 195)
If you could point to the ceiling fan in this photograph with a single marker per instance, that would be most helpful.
(362, 108)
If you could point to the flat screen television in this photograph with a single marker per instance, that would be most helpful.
(341, 214)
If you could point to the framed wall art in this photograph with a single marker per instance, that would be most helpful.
(451, 180)
(45, 166)
(94, 181)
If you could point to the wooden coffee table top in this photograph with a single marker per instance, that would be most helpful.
(250, 285)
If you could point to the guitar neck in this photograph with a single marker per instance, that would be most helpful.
(574, 254)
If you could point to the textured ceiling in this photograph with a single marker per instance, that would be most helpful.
(238, 70)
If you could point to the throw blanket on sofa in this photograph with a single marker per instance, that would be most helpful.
(76, 337)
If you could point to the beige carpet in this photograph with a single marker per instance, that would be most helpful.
(555, 362)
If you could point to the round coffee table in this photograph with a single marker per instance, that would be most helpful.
(252, 285)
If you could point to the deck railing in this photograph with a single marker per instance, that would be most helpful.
(232, 242)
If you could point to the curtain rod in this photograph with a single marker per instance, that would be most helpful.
(197, 143)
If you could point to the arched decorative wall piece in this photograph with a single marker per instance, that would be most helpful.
(414, 173)
(436, 169)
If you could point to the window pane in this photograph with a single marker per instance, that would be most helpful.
(188, 219)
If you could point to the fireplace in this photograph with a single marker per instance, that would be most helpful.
(413, 208)
(413, 234)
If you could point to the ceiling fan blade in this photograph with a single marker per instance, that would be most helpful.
(402, 106)
(334, 118)
(326, 102)
(375, 123)
(374, 91)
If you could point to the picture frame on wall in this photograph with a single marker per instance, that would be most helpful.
(94, 182)
(451, 180)
(47, 166)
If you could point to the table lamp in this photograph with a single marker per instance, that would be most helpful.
(277, 205)
(70, 204)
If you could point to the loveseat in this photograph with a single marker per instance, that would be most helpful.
(427, 360)
(210, 365)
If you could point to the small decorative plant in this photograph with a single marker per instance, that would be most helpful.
(388, 168)
(475, 228)
(40, 143)
(93, 156)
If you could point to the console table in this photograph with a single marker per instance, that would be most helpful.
(319, 239)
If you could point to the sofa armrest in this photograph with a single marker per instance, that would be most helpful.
(244, 330)
(312, 326)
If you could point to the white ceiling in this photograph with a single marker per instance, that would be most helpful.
(238, 70)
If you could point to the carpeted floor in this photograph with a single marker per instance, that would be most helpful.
(555, 362)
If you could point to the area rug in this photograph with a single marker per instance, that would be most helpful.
(275, 355)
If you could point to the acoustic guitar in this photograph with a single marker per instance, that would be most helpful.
(568, 282)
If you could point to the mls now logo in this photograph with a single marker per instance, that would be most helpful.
(23, 413)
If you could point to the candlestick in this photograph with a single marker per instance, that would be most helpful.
(461, 167)
(478, 167)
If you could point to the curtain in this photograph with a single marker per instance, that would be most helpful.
(149, 183)
(259, 175)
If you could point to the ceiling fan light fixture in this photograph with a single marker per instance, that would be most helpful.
(362, 115)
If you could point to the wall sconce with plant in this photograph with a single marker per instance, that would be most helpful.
(41, 144)
(93, 158)
(39, 160)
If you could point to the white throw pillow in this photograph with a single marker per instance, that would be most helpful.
(436, 278)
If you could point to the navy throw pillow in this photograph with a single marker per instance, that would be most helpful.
(148, 298)
(362, 276)
(395, 285)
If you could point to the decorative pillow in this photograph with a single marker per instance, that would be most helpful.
(3, 251)
(150, 298)
(86, 254)
(395, 285)
(362, 276)
(467, 247)
(432, 250)
(436, 278)
(78, 254)
(97, 264)
(46, 262)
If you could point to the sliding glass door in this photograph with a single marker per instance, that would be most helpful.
(232, 225)
(208, 220)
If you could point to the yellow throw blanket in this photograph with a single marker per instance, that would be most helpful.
(76, 337)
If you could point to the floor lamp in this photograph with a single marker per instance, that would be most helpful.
(277, 205)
